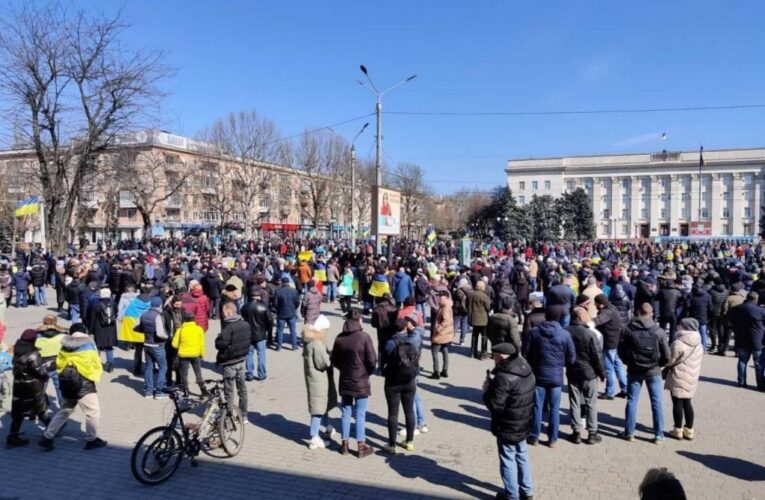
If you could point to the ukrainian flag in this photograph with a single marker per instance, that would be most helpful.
(305, 256)
(380, 286)
(430, 237)
(28, 207)
(320, 272)
(132, 315)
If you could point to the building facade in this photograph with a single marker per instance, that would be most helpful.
(666, 194)
(208, 202)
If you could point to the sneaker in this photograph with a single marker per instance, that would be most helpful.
(391, 450)
(593, 438)
(435, 376)
(676, 433)
(658, 440)
(402, 432)
(552, 444)
(531, 441)
(249, 378)
(622, 394)
(409, 446)
(628, 438)
(423, 429)
(688, 434)
(94, 444)
(575, 438)
(606, 397)
(46, 444)
(317, 443)
(444, 374)
(148, 395)
(160, 395)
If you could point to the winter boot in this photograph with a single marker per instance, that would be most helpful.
(688, 434)
(676, 433)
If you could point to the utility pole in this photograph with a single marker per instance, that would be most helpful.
(354, 227)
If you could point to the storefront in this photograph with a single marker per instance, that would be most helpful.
(279, 230)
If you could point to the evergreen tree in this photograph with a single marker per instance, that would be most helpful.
(544, 215)
(575, 211)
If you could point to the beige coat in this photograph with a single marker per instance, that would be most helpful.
(591, 292)
(319, 379)
(683, 378)
(444, 330)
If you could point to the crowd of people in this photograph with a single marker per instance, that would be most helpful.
(601, 319)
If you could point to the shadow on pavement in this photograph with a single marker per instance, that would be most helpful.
(721, 381)
(136, 384)
(477, 422)
(278, 425)
(412, 466)
(730, 466)
(470, 394)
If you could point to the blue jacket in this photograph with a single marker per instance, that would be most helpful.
(402, 286)
(561, 295)
(550, 350)
(286, 302)
(21, 280)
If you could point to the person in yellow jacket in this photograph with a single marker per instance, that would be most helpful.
(189, 340)
(79, 369)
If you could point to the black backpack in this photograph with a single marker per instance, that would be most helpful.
(405, 362)
(70, 382)
(645, 349)
(105, 315)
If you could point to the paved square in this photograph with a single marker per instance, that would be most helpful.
(456, 459)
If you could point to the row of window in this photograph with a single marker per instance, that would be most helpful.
(534, 185)
(684, 213)
(664, 182)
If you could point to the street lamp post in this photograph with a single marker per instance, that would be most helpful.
(353, 184)
(378, 138)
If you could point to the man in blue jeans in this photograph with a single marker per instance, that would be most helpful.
(609, 323)
(550, 350)
(257, 315)
(644, 349)
(748, 323)
(509, 396)
(286, 303)
(152, 325)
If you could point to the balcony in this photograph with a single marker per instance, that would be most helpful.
(210, 191)
(263, 209)
(127, 200)
(174, 202)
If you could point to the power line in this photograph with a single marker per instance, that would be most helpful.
(578, 111)
(318, 129)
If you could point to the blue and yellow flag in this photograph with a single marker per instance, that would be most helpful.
(28, 207)
(430, 234)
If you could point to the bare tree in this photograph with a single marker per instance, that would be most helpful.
(410, 180)
(74, 87)
(148, 179)
(323, 158)
(248, 139)
(214, 185)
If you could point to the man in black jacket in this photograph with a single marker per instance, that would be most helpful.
(383, 320)
(583, 377)
(609, 322)
(748, 323)
(644, 349)
(669, 297)
(233, 344)
(286, 303)
(261, 322)
(509, 396)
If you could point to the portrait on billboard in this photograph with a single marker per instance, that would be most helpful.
(389, 212)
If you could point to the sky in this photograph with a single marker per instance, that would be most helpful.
(297, 62)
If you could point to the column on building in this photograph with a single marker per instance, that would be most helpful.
(675, 202)
(616, 213)
(654, 201)
(597, 207)
(634, 229)
(739, 195)
(757, 205)
(715, 210)
(695, 199)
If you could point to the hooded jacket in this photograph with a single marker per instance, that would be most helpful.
(317, 371)
(311, 307)
(686, 355)
(510, 400)
(503, 327)
(29, 375)
(402, 286)
(202, 313)
(719, 295)
(189, 340)
(353, 354)
(286, 302)
(610, 323)
(550, 350)
(79, 351)
(699, 305)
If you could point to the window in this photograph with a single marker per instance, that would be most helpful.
(605, 229)
(625, 213)
(747, 212)
(521, 185)
(522, 200)
(534, 185)
(626, 183)
(725, 212)
(704, 213)
(725, 229)
(173, 214)
(643, 213)
(665, 182)
(663, 214)
(747, 180)
(625, 229)
(645, 182)
(547, 185)
(606, 213)
(570, 185)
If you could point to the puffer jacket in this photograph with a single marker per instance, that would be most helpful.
(311, 307)
(443, 332)
(189, 340)
(233, 341)
(719, 295)
(503, 327)
(37, 275)
(550, 350)
(202, 313)
(6, 280)
(683, 378)
(353, 354)
(699, 305)
(589, 356)
(510, 400)
(317, 371)
(29, 375)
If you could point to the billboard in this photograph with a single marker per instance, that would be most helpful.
(386, 206)
(700, 228)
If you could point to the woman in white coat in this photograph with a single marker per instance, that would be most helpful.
(683, 372)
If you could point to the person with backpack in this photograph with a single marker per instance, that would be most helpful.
(415, 335)
(400, 371)
(79, 370)
(508, 393)
(353, 354)
(29, 376)
(460, 308)
(644, 349)
(152, 325)
(102, 324)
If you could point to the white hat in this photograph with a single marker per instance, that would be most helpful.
(105, 293)
(321, 323)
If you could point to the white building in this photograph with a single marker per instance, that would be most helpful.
(654, 194)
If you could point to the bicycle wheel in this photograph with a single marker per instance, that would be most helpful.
(231, 430)
(157, 455)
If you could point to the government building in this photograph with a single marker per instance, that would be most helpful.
(651, 195)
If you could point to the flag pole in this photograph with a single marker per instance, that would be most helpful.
(43, 242)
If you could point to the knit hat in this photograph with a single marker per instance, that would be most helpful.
(105, 293)
(156, 301)
(321, 323)
(28, 335)
(77, 328)
(689, 324)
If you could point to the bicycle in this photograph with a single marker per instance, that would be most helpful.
(157, 455)
(6, 365)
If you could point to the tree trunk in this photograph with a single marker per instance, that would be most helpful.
(246, 219)
(146, 217)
